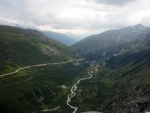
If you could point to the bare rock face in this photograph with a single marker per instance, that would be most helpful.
(136, 100)
(50, 51)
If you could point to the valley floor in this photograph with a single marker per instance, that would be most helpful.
(68, 88)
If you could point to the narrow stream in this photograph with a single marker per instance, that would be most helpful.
(74, 88)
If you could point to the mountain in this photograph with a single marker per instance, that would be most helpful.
(60, 37)
(109, 43)
(66, 39)
(122, 81)
(22, 47)
(113, 78)
(29, 88)
(74, 36)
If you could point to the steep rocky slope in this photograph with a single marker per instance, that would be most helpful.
(107, 44)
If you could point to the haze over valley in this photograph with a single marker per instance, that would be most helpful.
(87, 56)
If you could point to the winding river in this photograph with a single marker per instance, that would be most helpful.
(74, 88)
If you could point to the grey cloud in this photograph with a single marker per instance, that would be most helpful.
(69, 15)
(16, 9)
(114, 2)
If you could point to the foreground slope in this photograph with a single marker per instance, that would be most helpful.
(46, 71)
(122, 86)
(39, 89)
(23, 47)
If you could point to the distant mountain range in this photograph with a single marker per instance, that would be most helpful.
(67, 39)
(112, 42)
(60, 37)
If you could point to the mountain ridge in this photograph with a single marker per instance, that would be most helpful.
(120, 82)
(111, 41)
(27, 47)
(67, 40)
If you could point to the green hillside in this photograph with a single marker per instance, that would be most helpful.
(23, 47)
(19, 92)
(37, 88)
(122, 85)
(120, 69)
(122, 81)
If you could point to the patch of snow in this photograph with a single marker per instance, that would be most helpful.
(92, 112)
(47, 110)
(105, 44)
(104, 64)
(115, 54)
(63, 86)
(108, 58)
(104, 53)
(52, 92)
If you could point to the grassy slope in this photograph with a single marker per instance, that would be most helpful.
(121, 88)
(46, 83)
(21, 47)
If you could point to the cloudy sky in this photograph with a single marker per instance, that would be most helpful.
(79, 17)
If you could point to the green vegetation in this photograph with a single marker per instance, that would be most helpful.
(121, 85)
(23, 47)
(20, 91)
(45, 83)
